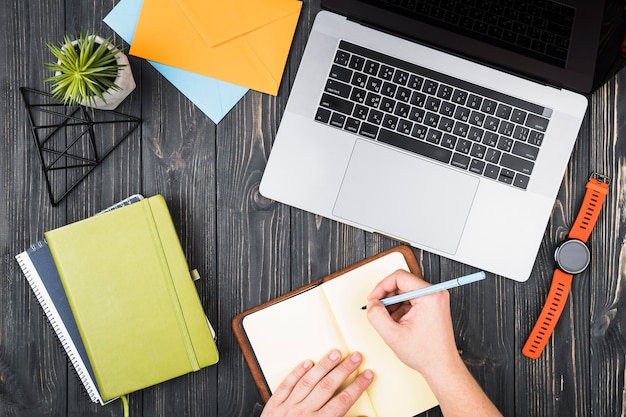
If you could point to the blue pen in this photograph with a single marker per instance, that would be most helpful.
(453, 283)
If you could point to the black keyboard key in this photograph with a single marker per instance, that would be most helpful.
(402, 110)
(448, 141)
(521, 133)
(490, 139)
(401, 77)
(518, 116)
(459, 96)
(358, 95)
(374, 84)
(447, 109)
(476, 118)
(418, 99)
(491, 171)
(463, 146)
(403, 94)
(433, 136)
(506, 128)
(445, 124)
(415, 82)
(388, 89)
(430, 87)
(491, 123)
(387, 105)
(460, 129)
(322, 115)
(337, 120)
(462, 113)
(372, 100)
(477, 166)
(342, 57)
(419, 131)
(336, 103)
(360, 112)
(390, 122)
(444, 92)
(474, 102)
(460, 161)
(417, 115)
(504, 111)
(505, 144)
(525, 150)
(371, 67)
(385, 72)
(375, 117)
(368, 130)
(404, 126)
(359, 79)
(415, 146)
(431, 119)
(475, 134)
(356, 62)
(352, 125)
(506, 176)
(535, 138)
(492, 155)
(432, 104)
(517, 164)
(340, 73)
(337, 88)
(537, 122)
(488, 106)
(478, 151)
(521, 181)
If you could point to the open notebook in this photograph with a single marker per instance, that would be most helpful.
(306, 323)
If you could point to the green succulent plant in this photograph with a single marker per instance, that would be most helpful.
(84, 70)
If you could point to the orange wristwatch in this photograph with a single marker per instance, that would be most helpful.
(572, 257)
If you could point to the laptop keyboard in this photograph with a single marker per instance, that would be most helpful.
(446, 119)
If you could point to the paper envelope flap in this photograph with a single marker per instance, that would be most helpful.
(218, 21)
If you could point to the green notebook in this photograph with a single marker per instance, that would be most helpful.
(131, 292)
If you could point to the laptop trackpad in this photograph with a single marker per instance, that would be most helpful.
(405, 197)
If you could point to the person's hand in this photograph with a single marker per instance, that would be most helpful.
(419, 331)
(311, 390)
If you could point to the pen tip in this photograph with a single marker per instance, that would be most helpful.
(364, 308)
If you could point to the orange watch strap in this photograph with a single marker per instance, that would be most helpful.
(552, 309)
(590, 209)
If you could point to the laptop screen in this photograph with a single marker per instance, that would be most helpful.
(553, 42)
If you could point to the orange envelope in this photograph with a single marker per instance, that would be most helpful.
(244, 42)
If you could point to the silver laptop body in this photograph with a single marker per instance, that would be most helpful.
(430, 205)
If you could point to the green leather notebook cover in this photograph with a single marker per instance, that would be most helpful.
(130, 289)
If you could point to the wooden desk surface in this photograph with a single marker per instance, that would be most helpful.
(249, 249)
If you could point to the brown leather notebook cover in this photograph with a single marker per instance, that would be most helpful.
(240, 334)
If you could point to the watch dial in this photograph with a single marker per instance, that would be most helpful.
(573, 256)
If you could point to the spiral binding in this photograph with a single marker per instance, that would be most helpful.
(57, 325)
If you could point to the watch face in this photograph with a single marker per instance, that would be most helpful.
(572, 256)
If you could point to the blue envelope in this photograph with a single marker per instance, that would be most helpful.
(213, 97)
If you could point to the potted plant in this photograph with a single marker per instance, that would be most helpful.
(90, 71)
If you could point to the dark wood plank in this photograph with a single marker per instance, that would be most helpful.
(249, 249)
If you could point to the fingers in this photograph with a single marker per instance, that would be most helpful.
(309, 381)
(314, 387)
(341, 403)
(398, 282)
(282, 392)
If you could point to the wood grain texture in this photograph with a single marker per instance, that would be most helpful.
(249, 249)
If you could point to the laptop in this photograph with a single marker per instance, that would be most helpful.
(447, 125)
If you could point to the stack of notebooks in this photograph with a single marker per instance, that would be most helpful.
(117, 291)
(211, 50)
